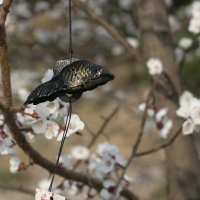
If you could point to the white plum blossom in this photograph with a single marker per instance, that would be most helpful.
(189, 110)
(106, 148)
(120, 160)
(16, 165)
(44, 184)
(183, 112)
(155, 66)
(92, 162)
(196, 116)
(53, 107)
(106, 165)
(80, 152)
(1, 120)
(161, 113)
(164, 127)
(67, 184)
(73, 187)
(47, 76)
(168, 3)
(195, 9)
(5, 142)
(128, 180)
(65, 162)
(23, 94)
(179, 54)
(75, 124)
(117, 50)
(133, 42)
(59, 191)
(51, 130)
(30, 137)
(9, 150)
(39, 126)
(194, 109)
(42, 109)
(194, 25)
(185, 43)
(125, 4)
(188, 127)
(150, 110)
(185, 98)
(108, 191)
(25, 120)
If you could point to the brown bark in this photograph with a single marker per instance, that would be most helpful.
(182, 162)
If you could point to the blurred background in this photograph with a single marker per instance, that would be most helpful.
(38, 35)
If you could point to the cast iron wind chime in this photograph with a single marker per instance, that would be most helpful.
(70, 76)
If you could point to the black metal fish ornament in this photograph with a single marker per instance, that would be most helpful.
(75, 78)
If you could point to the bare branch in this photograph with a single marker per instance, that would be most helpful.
(160, 147)
(111, 29)
(103, 127)
(18, 189)
(140, 134)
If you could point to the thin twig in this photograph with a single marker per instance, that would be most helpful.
(165, 77)
(111, 29)
(160, 147)
(103, 126)
(24, 113)
(140, 134)
(99, 132)
(19, 189)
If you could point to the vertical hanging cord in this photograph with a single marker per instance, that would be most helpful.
(70, 105)
(70, 31)
(62, 143)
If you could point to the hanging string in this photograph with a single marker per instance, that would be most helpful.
(62, 143)
(70, 31)
(70, 104)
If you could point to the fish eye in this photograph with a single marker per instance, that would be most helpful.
(100, 69)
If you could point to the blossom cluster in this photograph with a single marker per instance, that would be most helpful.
(105, 164)
(44, 117)
(7, 143)
(163, 122)
(189, 111)
(194, 25)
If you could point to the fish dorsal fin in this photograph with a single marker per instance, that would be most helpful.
(60, 64)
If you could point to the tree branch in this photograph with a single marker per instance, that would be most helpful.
(5, 69)
(160, 147)
(111, 29)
